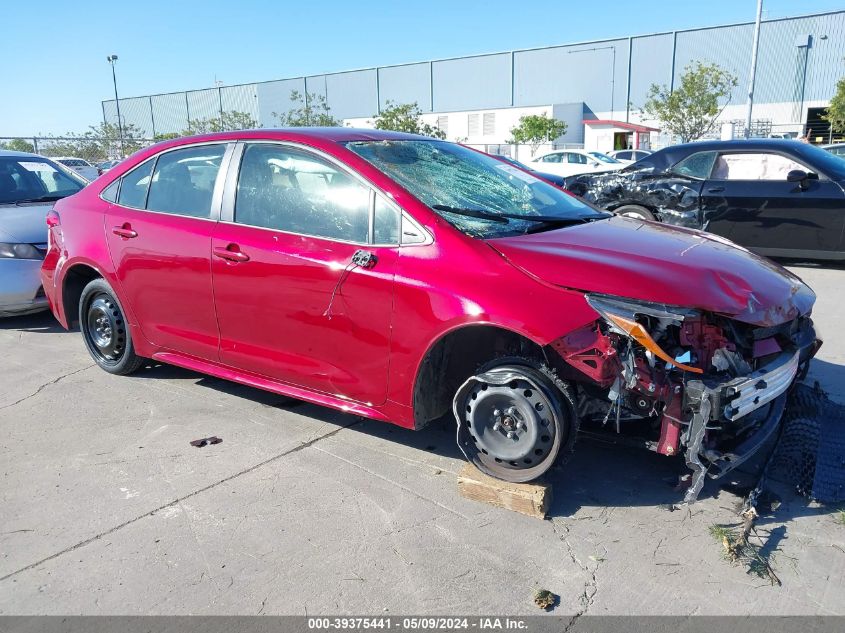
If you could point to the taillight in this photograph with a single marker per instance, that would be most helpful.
(53, 219)
(54, 229)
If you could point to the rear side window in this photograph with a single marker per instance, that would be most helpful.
(624, 155)
(134, 185)
(183, 181)
(754, 166)
(551, 158)
(110, 192)
(292, 190)
(696, 165)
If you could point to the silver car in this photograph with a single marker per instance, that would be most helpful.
(29, 185)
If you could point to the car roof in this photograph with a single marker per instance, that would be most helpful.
(336, 134)
(67, 158)
(8, 152)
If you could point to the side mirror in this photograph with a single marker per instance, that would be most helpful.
(800, 176)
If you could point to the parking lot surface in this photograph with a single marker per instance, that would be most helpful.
(107, 508)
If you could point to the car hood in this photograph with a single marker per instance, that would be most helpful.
(24, 224)
(661, 264)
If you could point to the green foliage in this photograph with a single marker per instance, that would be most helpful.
(224, 122)
(406, 117)
(18, 145)
(165, 136)
(536, 129)
(309, 110)
(835, 112)
(690, 110)
(98, 143)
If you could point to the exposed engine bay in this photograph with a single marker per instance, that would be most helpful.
(681, 380)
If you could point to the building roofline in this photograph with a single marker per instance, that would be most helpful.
(489, 54)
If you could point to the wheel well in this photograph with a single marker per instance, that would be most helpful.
(455, 357)
(75, 281)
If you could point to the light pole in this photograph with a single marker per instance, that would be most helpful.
(754, 46)
(111, 59)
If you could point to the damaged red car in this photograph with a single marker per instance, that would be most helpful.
(401, 278)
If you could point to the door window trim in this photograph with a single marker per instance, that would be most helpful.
(216, 194)
(230, 190)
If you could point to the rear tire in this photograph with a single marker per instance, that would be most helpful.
(105, 330)
(635, 211)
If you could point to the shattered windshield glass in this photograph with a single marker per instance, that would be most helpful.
(480, 195)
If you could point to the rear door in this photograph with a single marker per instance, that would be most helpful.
(303, 265)
(749, 199)
(159, 235)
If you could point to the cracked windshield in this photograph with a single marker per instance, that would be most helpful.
(482, 196)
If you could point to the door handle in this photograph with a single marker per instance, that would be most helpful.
(715, 189)
(231, 253)
(125, 231)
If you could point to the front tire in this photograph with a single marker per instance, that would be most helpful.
(105, 330)
(635, 211)
(515, 417)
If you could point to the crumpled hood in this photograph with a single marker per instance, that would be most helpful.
(663, 264)
(24, 224)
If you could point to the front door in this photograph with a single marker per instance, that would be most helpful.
(749, 199)
(303, 277)
(159, 237)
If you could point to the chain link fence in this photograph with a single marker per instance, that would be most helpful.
(93, 149)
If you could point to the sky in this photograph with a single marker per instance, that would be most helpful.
(54, 73)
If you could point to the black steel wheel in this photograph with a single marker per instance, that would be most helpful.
(513, 420)
(105, 331)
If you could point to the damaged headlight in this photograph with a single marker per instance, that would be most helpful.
(621, 315)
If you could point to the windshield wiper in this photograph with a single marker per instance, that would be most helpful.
(473, 213)
(41, 199)
(504, 218)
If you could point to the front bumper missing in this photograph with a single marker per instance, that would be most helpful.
(726, 403)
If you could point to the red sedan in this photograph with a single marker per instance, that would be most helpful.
(400, 277)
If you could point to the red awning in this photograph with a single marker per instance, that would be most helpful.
(621, 124)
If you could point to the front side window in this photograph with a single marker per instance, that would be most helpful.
(292, 190)
(696, 165)
(477, 193)
(134, 185)
(183, 181)
(33, 179)
(578, 159)
(754, 166)
(624, 155)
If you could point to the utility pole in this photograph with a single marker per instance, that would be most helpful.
(751, 77)
(111, 59)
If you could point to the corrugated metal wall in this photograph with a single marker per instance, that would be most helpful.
(800, 60)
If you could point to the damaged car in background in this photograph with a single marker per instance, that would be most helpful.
(779, 198)
(403, 278)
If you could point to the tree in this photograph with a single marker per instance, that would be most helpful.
(406, 117)
(165, 136)
(224, 122)
(835, 112)
(310, 110)
(98, 143)
(690, 110)
(536, 129)
(18, 145)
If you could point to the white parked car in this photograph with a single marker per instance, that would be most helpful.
(629, 155)
(571, 162)
(79, 165)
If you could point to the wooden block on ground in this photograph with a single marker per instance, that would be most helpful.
(532, 499)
